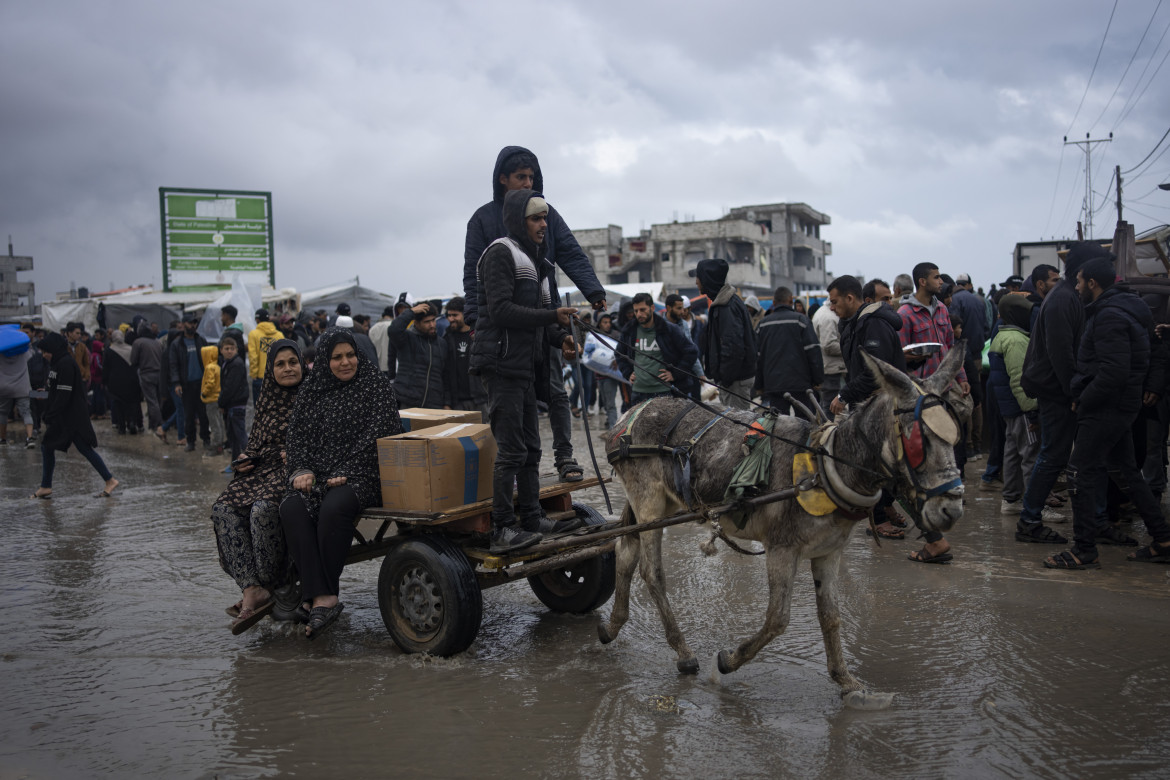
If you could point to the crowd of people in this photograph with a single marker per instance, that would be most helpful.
(1076, 386)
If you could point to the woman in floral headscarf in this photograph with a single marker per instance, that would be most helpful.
(345, 406)
(246, 516)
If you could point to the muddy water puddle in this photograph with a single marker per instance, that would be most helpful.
(115, 660)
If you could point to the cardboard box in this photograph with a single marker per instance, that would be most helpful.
(415, 419)
(438, 467)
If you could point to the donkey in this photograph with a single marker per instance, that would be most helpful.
(889, 441)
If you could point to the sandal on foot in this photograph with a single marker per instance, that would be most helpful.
(251, 616)
(43, 496)
(1066, 560)
(569, 471)
(1154, 552)
(320, 618)
(884, 533)
(1111, 536)
(1039, 534)
(234, 610)
(922, 556)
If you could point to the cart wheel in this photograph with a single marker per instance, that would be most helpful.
(580, 587)
(429, 598)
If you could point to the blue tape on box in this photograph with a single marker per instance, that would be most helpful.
(470, 469)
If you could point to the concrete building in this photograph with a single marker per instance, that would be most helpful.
(766, 246)
(12, 290)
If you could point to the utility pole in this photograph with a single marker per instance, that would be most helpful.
(1087, 147)
(1117, 173)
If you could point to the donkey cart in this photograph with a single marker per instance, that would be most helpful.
(436, 565)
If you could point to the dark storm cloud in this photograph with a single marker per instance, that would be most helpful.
(922, 129)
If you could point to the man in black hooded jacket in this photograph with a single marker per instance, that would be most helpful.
(729, 341)
(1112, 360)
(517, 325)
(517, 168)
(1049, 366)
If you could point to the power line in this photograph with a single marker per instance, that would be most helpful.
(1055, 190)
(1094, 70)
(1137, 100)
(1142, 75)
(1132, 57)
(1134, 168)
(1147, 216)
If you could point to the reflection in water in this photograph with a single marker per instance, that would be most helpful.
(117, 661)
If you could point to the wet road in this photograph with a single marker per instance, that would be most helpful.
(117, 661)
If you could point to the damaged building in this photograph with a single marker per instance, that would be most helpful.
(766, 246)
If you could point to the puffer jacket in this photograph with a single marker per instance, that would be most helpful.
(422, 365)
(1006, 359)
(487, 225)
(259, 340)
(516, 322)
(209, 389)
(790, 354)
(1114, 355)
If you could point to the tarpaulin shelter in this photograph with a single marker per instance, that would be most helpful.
(157, 307)
(361, 300)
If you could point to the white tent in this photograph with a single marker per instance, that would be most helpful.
(361, 300)
(157, 307)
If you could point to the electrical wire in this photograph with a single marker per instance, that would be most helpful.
(1153, 76)
(1134, 168)
(1055, 190)
(1133, 95)
(1089, 83)
(1132, 57)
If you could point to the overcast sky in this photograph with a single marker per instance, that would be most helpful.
(926, 130)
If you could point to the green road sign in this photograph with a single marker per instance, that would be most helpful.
(207, 234)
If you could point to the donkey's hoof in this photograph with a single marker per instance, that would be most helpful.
(867, 700)
(723, 661)
(688, 665)
(604, 635)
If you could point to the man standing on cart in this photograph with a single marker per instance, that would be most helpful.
(516, 327)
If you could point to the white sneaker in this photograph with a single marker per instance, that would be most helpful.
(1010, 507)
(1050, 515)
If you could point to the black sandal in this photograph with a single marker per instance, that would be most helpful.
(1067, 560)
(1154, 552)
(320, 618)
(569, 471)
(1039, 534)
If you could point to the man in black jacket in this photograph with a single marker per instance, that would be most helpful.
(648, 342)
(873, 328)
(422, 359)
(516, 327)
(1049, 367)
(790, 358)
(729, 342)
(185, 369)
(458, 380)
(517, 168)
(1112, 360)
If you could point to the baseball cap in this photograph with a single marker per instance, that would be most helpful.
(963, 279)
(1014, 281)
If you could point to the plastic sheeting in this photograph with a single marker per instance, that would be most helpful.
(246, 299)
(361, 300)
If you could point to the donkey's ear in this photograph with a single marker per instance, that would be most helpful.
(940, 380)
(888, 378)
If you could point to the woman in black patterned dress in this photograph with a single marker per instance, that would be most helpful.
(246, 516)
(345, 406)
